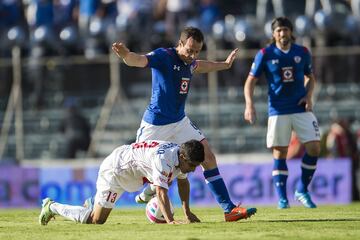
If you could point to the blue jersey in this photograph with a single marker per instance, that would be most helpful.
(285, 77)
(170, 86)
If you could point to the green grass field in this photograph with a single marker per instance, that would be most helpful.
(325, 222)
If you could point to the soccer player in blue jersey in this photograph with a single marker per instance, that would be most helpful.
(291, 82)
(165, 118)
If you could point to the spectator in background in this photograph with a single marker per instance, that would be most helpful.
(341, 143)
(76, 129)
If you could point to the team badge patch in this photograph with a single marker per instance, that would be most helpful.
(287, 74)
(297, 59)
(184, 87)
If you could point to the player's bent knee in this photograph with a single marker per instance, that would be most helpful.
(313, 148)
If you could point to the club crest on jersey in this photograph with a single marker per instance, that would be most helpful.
(184, 87)
(275, 61)
(297, 59)
(287, 74)
(176, 67)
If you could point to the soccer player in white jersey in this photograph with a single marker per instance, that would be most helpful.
(291, 82)
(126, 169)
(165, 118)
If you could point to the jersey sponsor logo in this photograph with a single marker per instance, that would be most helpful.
(184, 87)
(297, 59)
(176, 67)
(287, 74)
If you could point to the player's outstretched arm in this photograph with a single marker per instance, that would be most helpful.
(164, 203)
(184, 193)
(130, 58)
(205, 66)
(250, 112)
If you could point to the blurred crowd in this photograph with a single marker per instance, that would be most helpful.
(63, 27)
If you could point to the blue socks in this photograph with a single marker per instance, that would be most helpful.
(280, 175)
(308, 167)
(218, 189)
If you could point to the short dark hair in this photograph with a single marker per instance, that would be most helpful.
(193, 151)
(192, 32)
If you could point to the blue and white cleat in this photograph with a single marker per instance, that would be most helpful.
(305, 199)
(89, 203)
(283, 204)
(46, 214)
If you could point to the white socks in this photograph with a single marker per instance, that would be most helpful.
(150, 190)
(75, 213)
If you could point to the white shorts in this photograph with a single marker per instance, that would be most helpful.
(178, 132)
(280, 126)
(108, 191)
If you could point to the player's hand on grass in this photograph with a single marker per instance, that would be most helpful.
(191, 218)
(176, 222)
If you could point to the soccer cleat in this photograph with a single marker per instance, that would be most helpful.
(283, 203)
(143, 198)
(89, 203)
(46, 214)
(305, 199)
(239, 213)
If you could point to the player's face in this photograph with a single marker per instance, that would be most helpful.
(186, 165)
(189, 51)
(282, 36)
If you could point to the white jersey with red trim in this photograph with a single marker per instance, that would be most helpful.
(151, 161)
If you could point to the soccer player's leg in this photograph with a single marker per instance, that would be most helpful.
(308, 168)
(280, 175)
(146, 194)
(307, 129)
(46, 214)
(218, 188)
(278, 138)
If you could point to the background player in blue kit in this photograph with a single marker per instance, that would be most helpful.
(165, 119)
(291, 82)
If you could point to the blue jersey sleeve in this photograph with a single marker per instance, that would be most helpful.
(258, 64)
(308, 63)
(156, 58)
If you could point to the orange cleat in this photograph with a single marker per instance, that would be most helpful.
(239, 213)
